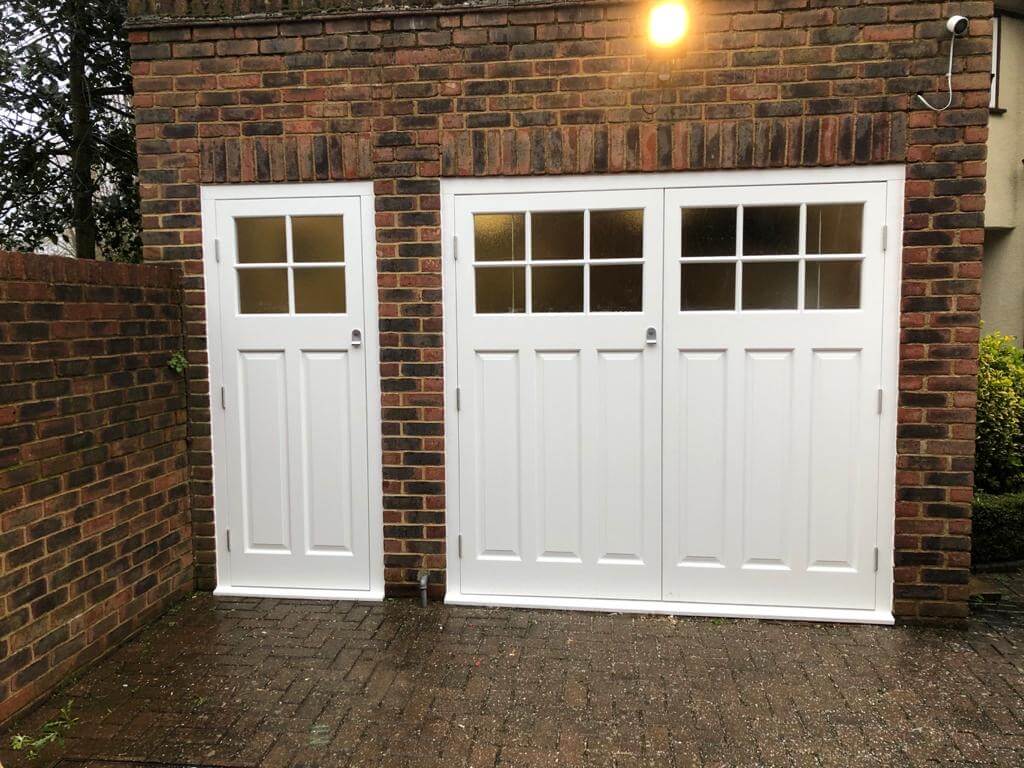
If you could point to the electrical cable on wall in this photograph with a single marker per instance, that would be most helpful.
(957, 25)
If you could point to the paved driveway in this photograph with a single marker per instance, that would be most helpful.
(222, 682)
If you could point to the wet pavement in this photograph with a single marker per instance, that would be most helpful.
(246, 682)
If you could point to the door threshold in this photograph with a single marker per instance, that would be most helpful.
(664, 607)
(289, 593)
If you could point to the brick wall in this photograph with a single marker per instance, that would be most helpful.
(94, 530)
(326, 91)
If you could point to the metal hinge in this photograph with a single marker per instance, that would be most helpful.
(455, 247)
(876, 559)
(223, 400)
(885, 238)
(216, 250)
(458, 399)
(228, 532)
(881, 395)
(460, 546)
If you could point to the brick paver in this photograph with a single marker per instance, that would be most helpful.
(247, 682)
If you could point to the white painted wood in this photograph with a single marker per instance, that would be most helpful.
(801, 431)
(670, 608)
(376, 593)
(559, 431)
(703, 469)
(292, 448)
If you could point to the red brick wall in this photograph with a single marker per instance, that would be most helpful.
(404, 98)
(94, 530)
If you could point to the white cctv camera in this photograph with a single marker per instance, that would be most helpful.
(957, 25)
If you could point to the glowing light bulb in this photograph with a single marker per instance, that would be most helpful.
(667, 24)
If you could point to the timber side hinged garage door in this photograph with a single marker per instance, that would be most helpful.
(674, 394)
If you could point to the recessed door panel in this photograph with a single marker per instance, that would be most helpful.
(699, 477)
(768, 456)
(620, 439)
(498, 461)
(559, 456)
(328, 458)
(265, 452)
(836, 463)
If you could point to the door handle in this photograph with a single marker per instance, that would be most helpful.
(357, 337)
(652, 336)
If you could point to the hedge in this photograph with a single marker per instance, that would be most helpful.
(998, 528)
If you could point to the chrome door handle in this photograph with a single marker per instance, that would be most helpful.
(357, 337)
(652, 336)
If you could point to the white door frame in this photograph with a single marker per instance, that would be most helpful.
(209, 196)
(894, 176)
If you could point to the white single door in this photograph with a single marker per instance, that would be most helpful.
(291, 299)
(773, 350)
(560, 393)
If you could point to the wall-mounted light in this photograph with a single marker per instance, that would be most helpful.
(667, 22)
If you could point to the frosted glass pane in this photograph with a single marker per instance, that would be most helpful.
(556, 235)
(262, 291)
(709, 232)
(499, 236)
(770, 285)
(501, 290)
(617, 234)
(834, 228)
(617, 288)
(557, 289)
(832, 285)
(317, 238)
(320, 289)
(260, 239)
(771, 230)
(707, 286)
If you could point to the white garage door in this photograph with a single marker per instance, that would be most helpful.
(292, 459)
(672, 395)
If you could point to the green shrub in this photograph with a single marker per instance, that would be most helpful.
(999, 466)
(998, 528)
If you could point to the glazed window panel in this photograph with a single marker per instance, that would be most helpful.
(263, 291)
(556, 236)
(708, 232)
(771, 230)
(261, 240)
(499, 236)
(318, 238)
(557, 289)
(320, 290)
(833, 229)
(617, 288)
(617, 234)
(707, 287)
(770, 284)
(832, 285)
(501, 290)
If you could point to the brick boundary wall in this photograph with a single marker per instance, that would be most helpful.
(296, 90)
(94, 523)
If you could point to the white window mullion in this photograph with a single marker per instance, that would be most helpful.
(528, 252)
(586, 261)
(802, 264)
(739, 259)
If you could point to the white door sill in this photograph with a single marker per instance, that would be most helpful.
(844, 615)
(375, 595)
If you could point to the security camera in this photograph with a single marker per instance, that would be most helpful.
(957, 25)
